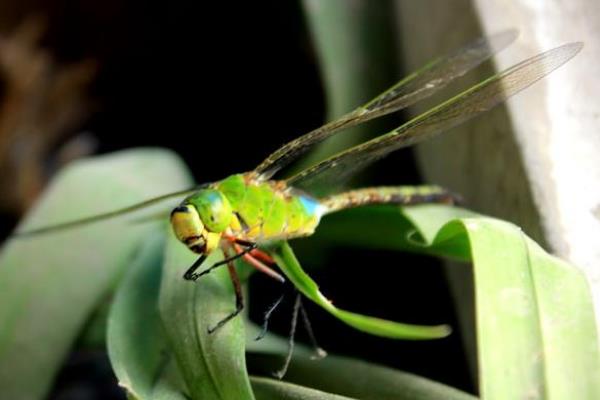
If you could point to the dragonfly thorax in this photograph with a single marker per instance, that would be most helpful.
(200, 220)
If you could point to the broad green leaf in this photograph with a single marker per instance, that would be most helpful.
(136, 344)
(287, 261)
(93, 335)
(169, 384)
(535, 322)
(387, 228)
(356, 379)
(50, 284)
(270, 389)
(213, 365)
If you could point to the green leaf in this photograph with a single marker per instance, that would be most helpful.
(169, 384)
(289, 264)
(534, 314)
(137, 347)
(270, 389)
(535, 321)
(356, 379)
(387, 228)
(213, 365)
(50, 284)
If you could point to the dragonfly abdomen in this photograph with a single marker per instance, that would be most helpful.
(401, 195)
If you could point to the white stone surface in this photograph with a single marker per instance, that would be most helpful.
(558, 123)
(536, 160)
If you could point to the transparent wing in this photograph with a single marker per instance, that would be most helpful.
(108, 215)
(470, 103)
(421, 84)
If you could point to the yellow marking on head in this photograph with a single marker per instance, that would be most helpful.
(186, 224)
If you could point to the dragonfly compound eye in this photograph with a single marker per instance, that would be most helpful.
(214, 209)
(187, 225)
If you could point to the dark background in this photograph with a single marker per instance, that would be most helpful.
(223, 84)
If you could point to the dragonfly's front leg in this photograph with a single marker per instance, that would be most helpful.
(190, 274)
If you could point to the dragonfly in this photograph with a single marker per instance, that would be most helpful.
(245, 212)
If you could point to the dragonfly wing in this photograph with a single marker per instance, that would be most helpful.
(468, 104)
(417, 86)
(108, 215)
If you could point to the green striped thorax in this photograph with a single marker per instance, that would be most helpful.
(200, 220)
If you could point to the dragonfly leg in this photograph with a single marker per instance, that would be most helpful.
(267, 316)
(288, 358)
(249, 258)
(239, 298)
(241, 242)
(319, 352)
(262, 256)
(191, 276)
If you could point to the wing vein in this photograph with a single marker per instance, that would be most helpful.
(466, 105)
(417, 86)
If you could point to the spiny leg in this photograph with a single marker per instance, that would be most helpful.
(258, 264)
(191, 276)
(319, 352)
(241, 242)
(239, 298)
(256, 258)
(253, 256)
(288, 358)
(245, 243)
(267, 316)
(248, 254)
(250, 246)
(262, 256)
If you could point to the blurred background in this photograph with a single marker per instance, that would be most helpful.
(222, 89)
(78, 78)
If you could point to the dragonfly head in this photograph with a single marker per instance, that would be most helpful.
(199, 221)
